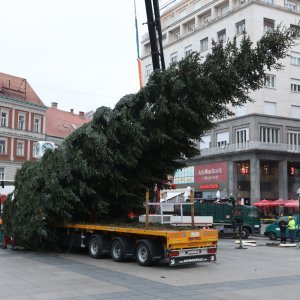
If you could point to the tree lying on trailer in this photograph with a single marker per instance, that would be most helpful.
(103, 168)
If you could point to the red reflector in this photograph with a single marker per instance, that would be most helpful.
(174, 253)
(212, 250)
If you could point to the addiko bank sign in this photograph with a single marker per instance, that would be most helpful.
(213, 172)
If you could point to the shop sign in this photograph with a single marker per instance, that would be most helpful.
(211, 172)
(209, 186)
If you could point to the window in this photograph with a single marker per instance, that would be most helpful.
(204, 45)
(292, 5)
(4, 118)
(243, 167)
(242, 138)
(20, 148)
(295, 58)
(270, 108)
(296, 28)
(295, 85)
(3, 146)
(222, 36)
(269, 25)
(182, 13)
(191, 27)
(240, 27)
(176, 35)
(35, 150)
(206, 19)
(21, 122)
(269, 81)
(2, 174)
(205, 142)
(185, 175)
(293, 140)
(224, 10)
(295, 88)
(168, 20)
(188, 50)
(148, 70)
(174, 57)
(222, 139)
(37, 124)
(295, 111)
(269, 135)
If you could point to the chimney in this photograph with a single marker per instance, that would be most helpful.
(54, 104)
(72, 111)
(81, 114)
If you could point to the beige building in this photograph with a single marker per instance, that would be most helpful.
(23, 123)
(255, 154)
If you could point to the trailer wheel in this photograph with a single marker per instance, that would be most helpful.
(143, 254)
(117, 251)
(98, 246)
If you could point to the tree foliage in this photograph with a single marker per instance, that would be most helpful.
(105, 166)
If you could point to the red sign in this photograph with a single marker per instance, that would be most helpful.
(211, 172)
(209, 186)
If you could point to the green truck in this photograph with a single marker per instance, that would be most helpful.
(273, 231)
(227, 216)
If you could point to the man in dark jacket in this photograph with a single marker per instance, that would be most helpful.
(282, 225)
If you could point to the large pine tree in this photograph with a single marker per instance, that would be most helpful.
(106, 165)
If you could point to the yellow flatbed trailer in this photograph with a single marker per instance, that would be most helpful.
(146, 245)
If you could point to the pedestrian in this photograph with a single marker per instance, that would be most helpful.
(282, 223)
(292, 228)
(187, 194)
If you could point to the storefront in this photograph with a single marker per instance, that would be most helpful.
(205, 179)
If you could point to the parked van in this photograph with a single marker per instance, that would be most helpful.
(273, 230)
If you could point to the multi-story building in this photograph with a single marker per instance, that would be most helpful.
(255, 154)
(22, 123)
(61, 123)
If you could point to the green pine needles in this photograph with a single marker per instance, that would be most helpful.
(103, 169)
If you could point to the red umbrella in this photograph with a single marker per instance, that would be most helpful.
(292, 204)
(279, 202)
(263, 203)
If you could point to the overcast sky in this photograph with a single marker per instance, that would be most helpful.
(79, 53)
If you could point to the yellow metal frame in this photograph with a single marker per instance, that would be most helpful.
(175, 239)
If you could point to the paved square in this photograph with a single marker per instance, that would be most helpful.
(256, 273)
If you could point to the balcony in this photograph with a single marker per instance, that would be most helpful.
(248, 146)
(190, 12)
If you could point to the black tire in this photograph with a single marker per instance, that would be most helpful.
(272, 236)
(143, 254)
(245, 233)
(117, 251)
(98, 246)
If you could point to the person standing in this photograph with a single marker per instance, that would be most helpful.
(292, 228)
(282, 226)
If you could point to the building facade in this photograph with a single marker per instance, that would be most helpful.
(61, 123)
(255, 154)
(22, 124)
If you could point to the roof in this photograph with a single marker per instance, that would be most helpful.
(60, 123)
(18, 88)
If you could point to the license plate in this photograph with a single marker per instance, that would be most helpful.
(192, 252)
(189, 260)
